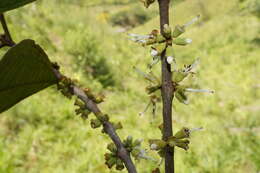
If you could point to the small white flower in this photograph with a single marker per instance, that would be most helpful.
(170, 59)
(188, 40)
(154, 52)
(153, 147)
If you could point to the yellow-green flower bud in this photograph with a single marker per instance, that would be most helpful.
(178, 30)
(159, 48)
(137, 142)
(99, 99)
(79, 103)
(183, 133)
(102, 117)
(111, 162)
(119, 165)
(182, 41)
(79, 111)
(179, 76)
(117, 125)
(112, 147)
(157, 144)
(85, 114)
(160, 38)
(151, 89)
(135, 152)
(167, 31)
(95, 123)
(184, 146)
(181, 97)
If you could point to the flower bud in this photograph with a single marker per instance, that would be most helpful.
(111, 162)
(159, 48)
(88, 92)
(178, 30)
(99, 99)
(102, 117)
(135, 153)
(95, 123)
(160, 38)
(157, 144)
(129, 140)
(147, 3)
(79, 111)
(183, 133)
(79, 103)
(167, 31)
(151, 89)
(117, 126)
(181, 97)
(119, 165)
(179, 76)
(85, 114)
(182, 41)
(112, 147)
(137, 142)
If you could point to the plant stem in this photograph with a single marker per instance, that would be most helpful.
(5, 39)
(107, 126)
(167, 91)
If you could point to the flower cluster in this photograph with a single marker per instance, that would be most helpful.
(132, 146)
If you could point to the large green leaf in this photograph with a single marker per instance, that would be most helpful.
(6, 5)
(24, 70)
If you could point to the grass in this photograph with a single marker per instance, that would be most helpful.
(42, 133)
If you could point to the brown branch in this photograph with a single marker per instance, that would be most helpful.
(108, 127)
(167, 91)
(5, 39)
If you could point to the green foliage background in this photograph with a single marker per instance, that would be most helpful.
(42, 134)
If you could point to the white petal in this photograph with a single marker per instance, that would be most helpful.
(154, 52)
(170, 59)
(188, 40)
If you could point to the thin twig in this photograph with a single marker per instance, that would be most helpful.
(108, 127)
(5, 39)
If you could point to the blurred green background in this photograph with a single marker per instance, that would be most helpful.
(89, 40)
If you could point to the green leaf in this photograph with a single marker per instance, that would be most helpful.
(6, 5)
(24, 70)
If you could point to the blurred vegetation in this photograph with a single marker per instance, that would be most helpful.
(131, 17)
(42, 134)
